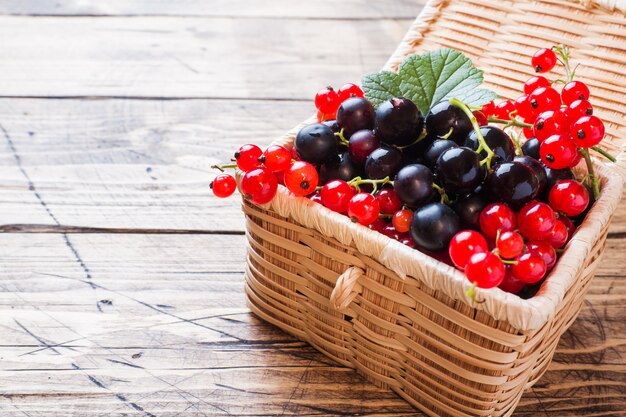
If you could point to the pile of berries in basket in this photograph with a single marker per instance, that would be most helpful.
(418, 156)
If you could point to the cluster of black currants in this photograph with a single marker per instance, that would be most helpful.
(444, 168)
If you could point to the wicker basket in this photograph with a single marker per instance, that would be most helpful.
(401, 318)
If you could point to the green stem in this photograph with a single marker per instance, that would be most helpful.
(342, 138)
(482, 144)
(508, 262)
(357, 181)
(595, 185)
(604, 153)
(512, 122)
(442, 193)
(564, 53)
(224, 166)
(420, 138)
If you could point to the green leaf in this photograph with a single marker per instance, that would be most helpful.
(381, 86)
(429, 78)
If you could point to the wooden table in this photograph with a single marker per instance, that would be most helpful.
(121, 292)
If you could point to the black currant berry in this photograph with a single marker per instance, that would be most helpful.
(512, 183)
(355, 114)
(339, 168)
(385, 161)
(531, 148)
(433, 226)
(398, 122)
(538, 169)
(414, 185)
(499, 142)
(445, 118)
(459, 170)
(435, 150)
(468, 208)
(316, 143)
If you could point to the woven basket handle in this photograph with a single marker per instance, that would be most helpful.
(347, 288)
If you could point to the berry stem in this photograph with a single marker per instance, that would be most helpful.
(512, 122)
(482, 144)
(564, 53)
(604, 153)
(595, 185)
(342, 138)
(357, 181)
(444, 197)
(421, 137)
(224, 166)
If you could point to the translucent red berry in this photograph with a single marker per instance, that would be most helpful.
(510, 244)
(544, 99)
(494, 217)
(587, 131)
(481, 119)
(545, 250)
(534, 83)
(558, 237)
(336, 195)
(536, 220)
(259, 185)
(559, 152)
(363, 208)
(523, 107)
(276, 158)
(569, 224)
(529, 268)
(551, 123)
(301, 178)
(574, 90)
(316, 197)
(485, 270)
(569, 197)
(321, 117)
(578, 109)
(543, 60)
(223, 185)
(388, 200)
(504, 109)
(378, 224)
(247, 157)
(464, 244)
(511, 284)
(489, 109)
(327, 100)
(349, 90)
(402, 220)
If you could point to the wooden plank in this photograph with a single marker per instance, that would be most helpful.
(140, 164)
(324, 9)
(97, 324)
(191, 57)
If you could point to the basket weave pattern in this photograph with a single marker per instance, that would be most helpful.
(308, 274)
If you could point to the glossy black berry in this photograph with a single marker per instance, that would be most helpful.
(512, 183)
(445, 118)
(355, 114)
(385, 161)
(499, 142)
(339, 168)
(468, 208)
(414, 185)
(459, 170)
(398, 122)
(316, 143)
(433, 226)
(531, 148)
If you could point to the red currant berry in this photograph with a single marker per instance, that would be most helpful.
(378, 225)
(390, 232)
(489, 109)
(535, 82)
(523, 107)
(464, 244)
(494, 217)
(363, 208)
(578, 109)
(504, 109)
(545, 250)
(317, 197)
(588, 131)
(569, 224)
(529, 268)
(259, 185)
(406, 240)
(543, 60)
(551, 123)
(574, 90)
(528, 132)
(276, 158)
(536, 220)
(481, 119)
(544, 99)
(327, 100)
(569, 197)
(349, 90)
(321, 117)
(223, 185)
(510, 244)
(402, 220)
(388, 200)
(558, 237)
(247, 157)
(485, 270)
(558, 152)
(301, 178)
(511, 284)
(336, 195)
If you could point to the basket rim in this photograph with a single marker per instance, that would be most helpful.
(524, 315)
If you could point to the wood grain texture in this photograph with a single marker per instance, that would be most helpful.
(156, 325)
(324, 9)
(188, 57)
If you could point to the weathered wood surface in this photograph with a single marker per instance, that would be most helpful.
(121, 277)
